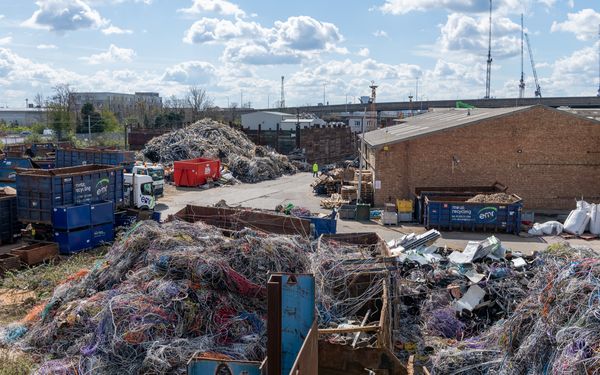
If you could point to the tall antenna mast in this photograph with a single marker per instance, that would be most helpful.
(489, 59)
(522, 81)
(282, 101)
(598, 95)
(373, 109)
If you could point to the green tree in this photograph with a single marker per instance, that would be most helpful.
(60, 113)
(111, 124)
(91, 120)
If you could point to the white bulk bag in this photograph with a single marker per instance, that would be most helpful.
(578, 219)
(595, 219)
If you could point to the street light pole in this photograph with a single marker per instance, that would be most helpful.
(360, 158)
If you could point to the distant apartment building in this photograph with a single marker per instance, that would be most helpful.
(122, 105)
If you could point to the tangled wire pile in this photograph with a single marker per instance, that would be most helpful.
(210, 139)
(554, 330)
(165, 292)
(162, 294)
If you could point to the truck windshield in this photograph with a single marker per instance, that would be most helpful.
(156, 174)
(147, 189)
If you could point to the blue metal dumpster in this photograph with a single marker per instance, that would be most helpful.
(10, 228)
(40, 191)
(75, 157)
(71, 242)
(71, 217)
(454, 213)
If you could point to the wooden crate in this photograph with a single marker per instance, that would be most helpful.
(8, 262)
(36, 253)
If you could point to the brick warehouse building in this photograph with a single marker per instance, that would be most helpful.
(549, 157)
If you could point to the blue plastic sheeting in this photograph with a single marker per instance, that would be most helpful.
(298, 314)
(199, 366)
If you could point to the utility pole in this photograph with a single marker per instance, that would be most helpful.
(241, 98)
(489, 59)
(89, 130)
(282, 101)
(417, 91)
(522, 81)
(324, 102)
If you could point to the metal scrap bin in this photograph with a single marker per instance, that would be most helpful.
(347, 212)
(40, 191)
(196, 172)
(455, 213)
(452, 191)
(10, 229)
(71, 217)
(87, 156)
(71, 242)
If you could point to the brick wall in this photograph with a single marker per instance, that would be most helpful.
(323, 145)
(547, 157)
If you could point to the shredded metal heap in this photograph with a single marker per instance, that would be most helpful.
(211, 139)
(493, 198)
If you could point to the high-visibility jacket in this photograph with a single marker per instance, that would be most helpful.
(315, 167)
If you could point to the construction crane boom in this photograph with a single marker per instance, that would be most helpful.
(522, 81)
(488, 75)
(538, 90)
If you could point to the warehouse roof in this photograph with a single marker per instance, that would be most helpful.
(434, 121)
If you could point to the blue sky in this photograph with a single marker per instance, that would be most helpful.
(234, 48)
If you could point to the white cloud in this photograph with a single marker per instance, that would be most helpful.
(208, 30)
(287, 42)
(222, 7)
(112, 29)
(113, 54)
(46, 46)
(6, 40)
(380, 34)
(363, 52)
(468, 34)
(1, 16)
(306, 33)
(400, 7)
(584, 24)
(64, 15)
(190, 73)
(571, 75)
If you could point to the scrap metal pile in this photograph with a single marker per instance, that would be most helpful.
(210, 139)
(554, 329)
(445, 296)
(493, 198)
(164, 292)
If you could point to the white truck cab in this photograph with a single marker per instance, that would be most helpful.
(139, 191)
(156, 172)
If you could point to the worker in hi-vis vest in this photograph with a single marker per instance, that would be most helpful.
(315, 170)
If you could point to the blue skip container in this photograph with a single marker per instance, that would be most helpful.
(102, 234)
(454, 213)
(72, 242)
(71, 217)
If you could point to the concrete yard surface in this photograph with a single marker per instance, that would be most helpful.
(296, 189)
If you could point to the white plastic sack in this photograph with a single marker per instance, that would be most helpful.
(595, 219)
(548, 228)
(578, 219)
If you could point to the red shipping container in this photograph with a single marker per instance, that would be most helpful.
(196, 172)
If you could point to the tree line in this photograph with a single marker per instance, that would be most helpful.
(64, 117)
